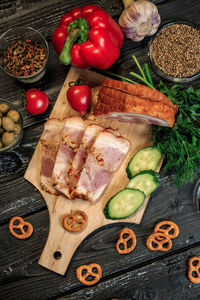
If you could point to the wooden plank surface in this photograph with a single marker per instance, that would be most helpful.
(19, 266)
(20, 274)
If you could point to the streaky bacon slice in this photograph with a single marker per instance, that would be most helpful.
(88, 139)
(104, 158)
(70, 139)
(50, 142)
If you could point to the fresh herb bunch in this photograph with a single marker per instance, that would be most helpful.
(181, 144)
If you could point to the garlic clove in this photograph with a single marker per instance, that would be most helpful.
(144, 28)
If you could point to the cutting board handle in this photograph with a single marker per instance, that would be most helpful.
(61, 244)
(53, 257)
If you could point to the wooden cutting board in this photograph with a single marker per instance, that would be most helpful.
(59, 240)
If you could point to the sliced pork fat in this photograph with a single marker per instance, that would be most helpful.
(50, 142)
(70, 139)
(104, 158)
(110, 149)
(88, 139)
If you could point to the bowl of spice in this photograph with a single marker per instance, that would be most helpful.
(11, 126)
(174, 52)
(24, 54)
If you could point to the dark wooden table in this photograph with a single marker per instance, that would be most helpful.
(140, 275)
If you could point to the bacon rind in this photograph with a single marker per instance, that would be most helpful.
(137, 90)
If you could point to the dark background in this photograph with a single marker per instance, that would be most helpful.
(141, 274)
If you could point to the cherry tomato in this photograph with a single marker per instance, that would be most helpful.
(79, 97)
(36, 101)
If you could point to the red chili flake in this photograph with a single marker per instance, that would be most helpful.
(70, 171)
(24, 58)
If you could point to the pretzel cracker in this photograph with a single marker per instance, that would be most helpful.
(124, 241)
(171, 226)
(89, 272)
(159, 239)
(194, 269)
(24, 234)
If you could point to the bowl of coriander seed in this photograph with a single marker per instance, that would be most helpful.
(174, 51)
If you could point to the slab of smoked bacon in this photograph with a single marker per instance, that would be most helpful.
(131, 103)
(138, 90)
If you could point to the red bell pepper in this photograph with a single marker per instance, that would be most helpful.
(88, 37)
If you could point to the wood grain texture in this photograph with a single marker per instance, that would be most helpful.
(18, 259)
(20, 273)
(147, 282)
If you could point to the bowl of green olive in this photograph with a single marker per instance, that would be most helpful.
(11, 126)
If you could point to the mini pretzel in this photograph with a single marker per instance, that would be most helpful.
(171, 226)
(75, 222)
(156, 241)
(194, 269)
(24, 234)
(124, 241)
(89, 272)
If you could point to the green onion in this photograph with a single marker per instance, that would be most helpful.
(146, 80)
(121, 77)
(146, 70)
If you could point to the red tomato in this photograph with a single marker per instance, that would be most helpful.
(79, 97)
(36, 101)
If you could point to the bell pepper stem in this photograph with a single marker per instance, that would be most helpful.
(65, 57)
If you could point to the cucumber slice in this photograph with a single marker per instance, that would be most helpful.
(124, 204)
(146, 181)
(145, 159)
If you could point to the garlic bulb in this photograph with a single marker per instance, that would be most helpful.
(139, 19)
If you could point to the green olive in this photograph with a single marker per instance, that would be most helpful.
(17, 129)
(8, 138)
(1, 131)
(14, 115)
(8, 124)
(4, 107)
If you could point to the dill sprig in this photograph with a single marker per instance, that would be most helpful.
(181, 144)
